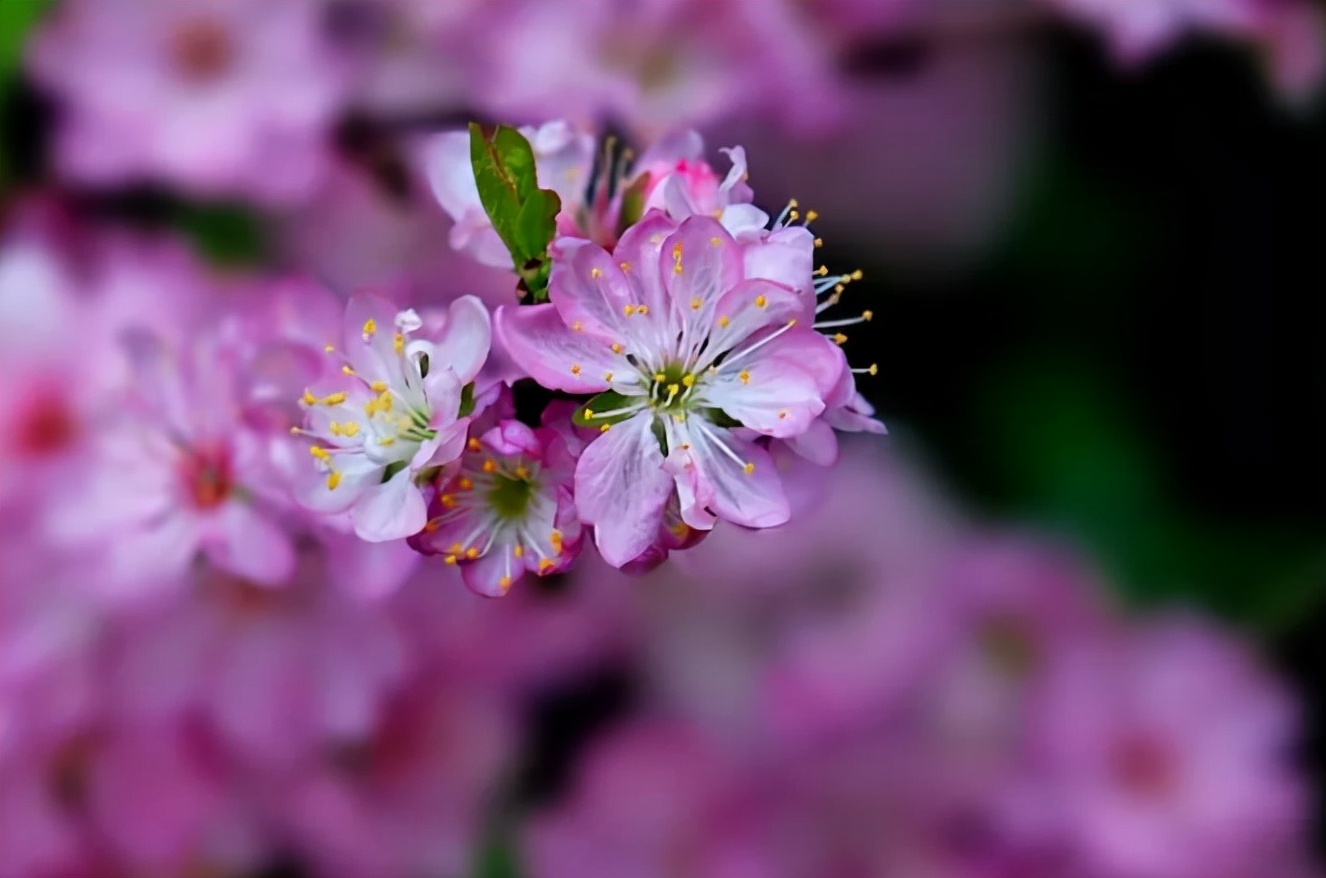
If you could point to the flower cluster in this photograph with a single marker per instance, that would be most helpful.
(682, 317)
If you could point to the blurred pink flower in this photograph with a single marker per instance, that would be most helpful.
(219, 97)
(1166, 752)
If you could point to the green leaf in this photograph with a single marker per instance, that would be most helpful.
(466, 401)
(226, 233)
(591, 414)
(633, 204)
(524, 216)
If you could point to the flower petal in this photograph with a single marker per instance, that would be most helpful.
(621, 487)
(250, 545)
(747, 308)
(785, 256)
(744, 485)
(464, 342)
(700, 263)
(393, 510)
(771, 395)
(553, 355)
(640, 248)
(493, 575)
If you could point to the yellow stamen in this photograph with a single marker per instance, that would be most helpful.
(617, 347)
(688, 380)
(333, 480)
(628, 310)
(448, 501)
(319, 452)
(744, 376)
(370, 328)
(334, 398)
(715, 241)
(605, 428)
(839, 338)
(450, 559)
(308, 398)
(626, 266)
(504, 584)
(546, 564)
(472, 552)
(867, 316)
(522, 472)
(761, 301)
(723, 321)
(465, 484)
(607, 376)
(575, 368)
(696, 303)
(577, 326)
(596, 272)
(518, 551)
(473, 444)
(490, 466)
(348, 370)
(398, 343)
(748, 468)
(378, 387)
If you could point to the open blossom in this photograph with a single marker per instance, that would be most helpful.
(507, 508)
(688, 347)
(395, 416)
(221, 96)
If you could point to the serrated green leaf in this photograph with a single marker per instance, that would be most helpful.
(592, 413)
(524, 216)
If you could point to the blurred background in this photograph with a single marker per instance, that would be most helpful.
(1064, 620)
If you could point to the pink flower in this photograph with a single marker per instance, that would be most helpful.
(177, 474)
(1165, 753)
(506, 509)
(395, 417)
(690, 347)
(220, 97)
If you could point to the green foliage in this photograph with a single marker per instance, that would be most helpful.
(608, 401)
(466, 401)
(226, 234)
(524, 215)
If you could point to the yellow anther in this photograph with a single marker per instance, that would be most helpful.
(822, 271)
(329, 348)
(696, 303)
(387, 440)
(350, 428)
(839, 338)
(489, 465)
(448, 501)
(450, 559)
(617, 347)
(504, 583)
(370, 328)
(811, 216)
(792, 203)
(761, 301)
(715, 241)
(518, 551)
(308, 398)
(680, 530)
(596, 272)
(782, 416)
(431, 525)
(471, 553)
(642, 309)
(674, 389)
(659, 378)
(676, 250)
(792, 322)
(333, 480)
(867, 316)
(384, 402)
(522, 471)
(874, 369)
(748, 468)
(473, 444)
(628, 310)
(626, 266)
(857, 275)
(295, 431)
(577, 326)
(607, 376)
(556, 539)
(819, 242)
(744, 377)
(398, 343)
(793, 215)
(465, 483)
(546, 564)
(589, 413)
(334, 428)
(378, 387)
(347, 369)
(723, 321)
(688, 380)
(605, 428)
(455, 549)
(575, 368)
(319, 452)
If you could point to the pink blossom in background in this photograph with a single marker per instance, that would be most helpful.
(1166, 751)
(220, 97)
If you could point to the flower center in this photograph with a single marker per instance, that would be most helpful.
(670, 388)
(207, 477)
(201, 50)
(510, 495)
(46, 426)
(1144, 765)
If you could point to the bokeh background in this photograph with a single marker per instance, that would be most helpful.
(1065, 620)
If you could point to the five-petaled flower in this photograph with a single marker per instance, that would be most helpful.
(694, 361)
(393, 415)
